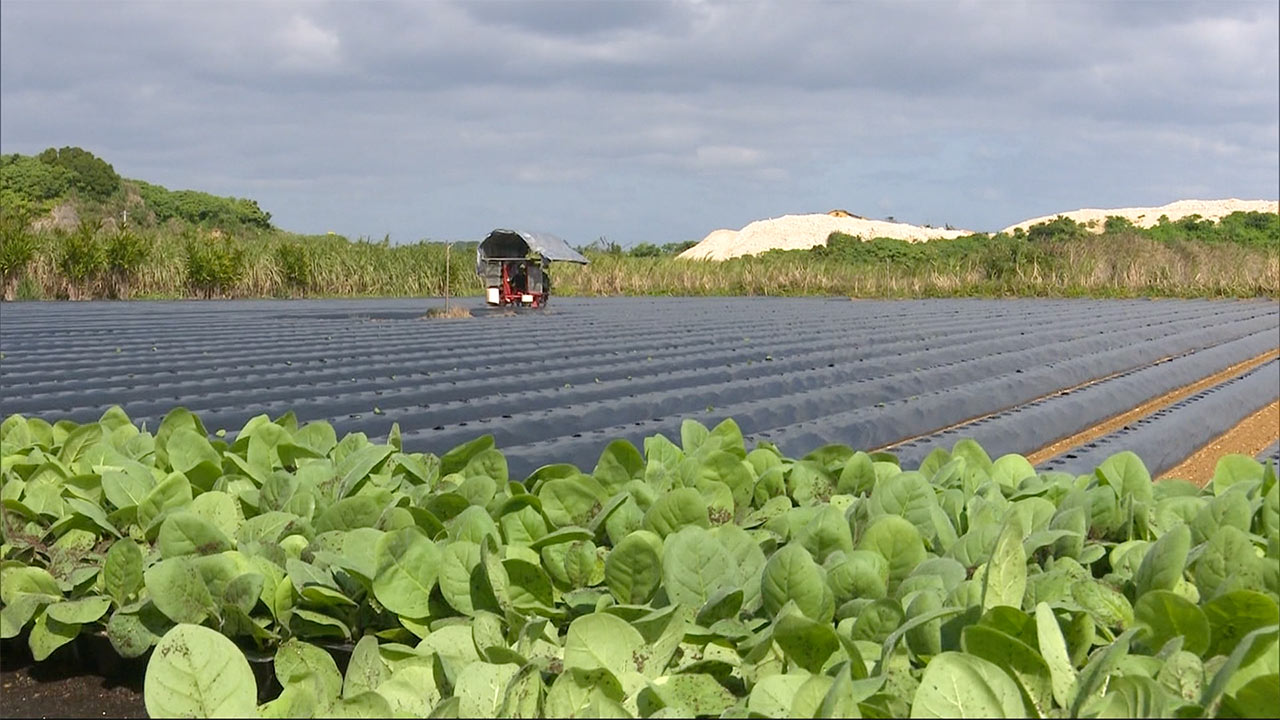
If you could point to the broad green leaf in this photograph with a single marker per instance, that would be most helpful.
(695, 565)
(806, 642)
(294, 701)
(749, 559)
(178, 590)
(692, 435)
(48, 634)
(196, 672)
(633, 570)
(692, 694)
(879, 621)
(1167, 615)
(1235, 614)
(862, 574)
(360, 511)
(355, 467)
(186, 533)
(133, 634)
(457, 458)
(826, 532)
(523, 695)
(408, 565)
(1130, 696)
(774, 695)
(897, 541)
(458, 560)
(1244, 654)
(791, 575)
(676, 509)
(1021, 661)
(574, 691)
(1009, 470)
(1227, 563)
(1053, 648)
(1125, 472)
(1093, 677)
(220, 510)
(1005, 581)
(1233, 469)
(481, 688)
(295, 659)
(174, 491)
(33, 580)
(411, 690)
(1164, 561)
(1183, 676)
(1106, 606)
(571, 501)
(78, 612)
(191, 454)
(122, 570)
(619, 464)
(19, 611)
(963, 686)
(601, 640)
(1258, 698)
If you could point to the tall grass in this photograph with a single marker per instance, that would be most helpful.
(159, 264)
(1121, 265)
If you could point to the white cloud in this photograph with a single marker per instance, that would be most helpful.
(304, 45)
(602, 118)
(725, 156)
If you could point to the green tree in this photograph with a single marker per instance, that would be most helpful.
(675, 248)
(645, 250)
(93, 177)
(29, 186)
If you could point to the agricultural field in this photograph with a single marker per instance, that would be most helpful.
(648, 507)
(556, 387)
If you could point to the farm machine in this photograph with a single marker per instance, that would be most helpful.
(514, 266)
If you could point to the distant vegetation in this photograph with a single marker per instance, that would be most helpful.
(71, 227)
(1192, 257)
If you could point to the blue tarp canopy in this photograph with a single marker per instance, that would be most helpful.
(519, 244)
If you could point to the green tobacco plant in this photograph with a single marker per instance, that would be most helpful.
(690, 577)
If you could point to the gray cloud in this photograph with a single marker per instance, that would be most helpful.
(653, 121)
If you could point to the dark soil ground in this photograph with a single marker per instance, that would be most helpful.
(65, 686)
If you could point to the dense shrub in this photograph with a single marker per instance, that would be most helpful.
(81, 258)
(294, 260)
(214, 265)
(1060, 228)
(17, 248)
(126, 253)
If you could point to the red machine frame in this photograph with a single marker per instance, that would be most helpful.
(509, 296)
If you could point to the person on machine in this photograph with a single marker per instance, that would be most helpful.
(520, 278)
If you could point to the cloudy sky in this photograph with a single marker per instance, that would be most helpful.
(649, 120)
